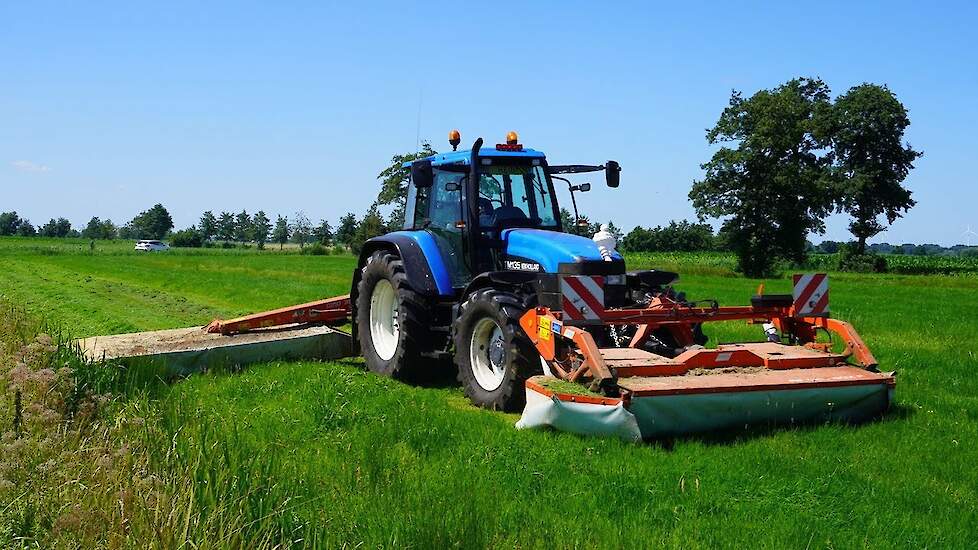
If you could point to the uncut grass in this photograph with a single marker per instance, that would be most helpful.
(324, 453)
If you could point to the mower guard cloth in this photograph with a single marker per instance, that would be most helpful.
(656, 416)
(607, 420)
(673, 415)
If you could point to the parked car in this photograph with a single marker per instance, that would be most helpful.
(151, 246)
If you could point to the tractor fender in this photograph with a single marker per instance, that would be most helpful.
(419, 258)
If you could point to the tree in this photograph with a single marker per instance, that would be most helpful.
(208, 226)
(774, 188)
(152, 224)
(49, 229)
(25, 229)
(126, 232)
(188, 238)
(323, 233)
(262, 226)
(346, 232)
(93, 230)
(301, 228)
(9, 222)
(871, 159)
(109, 230)
(681, 236)
(394, 179)
(829, 247)
(579, 226)
(281, 232)
(243, 227)
(372, 225)
(225, 227)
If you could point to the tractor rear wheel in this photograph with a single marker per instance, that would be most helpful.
(493, 354)
(393, 320)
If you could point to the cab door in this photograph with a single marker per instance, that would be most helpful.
(439, 212)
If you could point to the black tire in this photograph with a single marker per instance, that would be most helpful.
(518, 356)
(413, 335)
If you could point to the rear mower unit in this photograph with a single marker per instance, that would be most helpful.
(484, 274)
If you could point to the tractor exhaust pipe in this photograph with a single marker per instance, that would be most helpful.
(472, 208)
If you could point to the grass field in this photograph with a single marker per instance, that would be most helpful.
(323, 454)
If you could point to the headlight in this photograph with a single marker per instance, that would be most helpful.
(614, 279)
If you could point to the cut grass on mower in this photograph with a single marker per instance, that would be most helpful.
(325, 454)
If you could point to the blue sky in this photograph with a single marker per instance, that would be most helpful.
(108, 108)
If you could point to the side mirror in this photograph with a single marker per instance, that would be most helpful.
(452, 186)
(612, 173)
(421, 174)
(584, 187)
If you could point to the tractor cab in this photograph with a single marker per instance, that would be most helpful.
(472, 201)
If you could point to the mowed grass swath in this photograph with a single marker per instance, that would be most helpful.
(326, 454)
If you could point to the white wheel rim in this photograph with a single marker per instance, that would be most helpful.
(384, 328)
(487, 354)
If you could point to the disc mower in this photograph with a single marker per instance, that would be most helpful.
(484, 274)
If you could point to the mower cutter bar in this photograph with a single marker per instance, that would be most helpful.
(331, 311)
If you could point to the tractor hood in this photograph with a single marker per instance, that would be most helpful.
(552, 248)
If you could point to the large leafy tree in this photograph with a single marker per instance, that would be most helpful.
(262, 226)
(152, 224)
(770, 179)
(871, 159)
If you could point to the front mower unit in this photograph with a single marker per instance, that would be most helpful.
(634, 393)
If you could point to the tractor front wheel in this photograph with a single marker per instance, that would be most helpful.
(392, 319)
(493, 354)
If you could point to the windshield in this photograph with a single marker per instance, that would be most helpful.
(515, 193)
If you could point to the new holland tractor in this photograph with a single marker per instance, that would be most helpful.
(483, 273)
(482, 243)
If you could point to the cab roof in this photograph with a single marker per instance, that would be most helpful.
(465, 157)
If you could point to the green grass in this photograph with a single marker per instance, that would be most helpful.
(325, 454)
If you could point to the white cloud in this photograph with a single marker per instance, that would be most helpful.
(28, 166)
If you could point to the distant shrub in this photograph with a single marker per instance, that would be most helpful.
(339, 250)
(228, 245)
(187, 238)
(860, 263)
(315, 249)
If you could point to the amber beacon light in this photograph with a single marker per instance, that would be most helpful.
(454, 138)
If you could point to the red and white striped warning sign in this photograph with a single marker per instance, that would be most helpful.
(583, 296)
(811, 294)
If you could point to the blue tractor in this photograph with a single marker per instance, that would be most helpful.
(482, 243)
